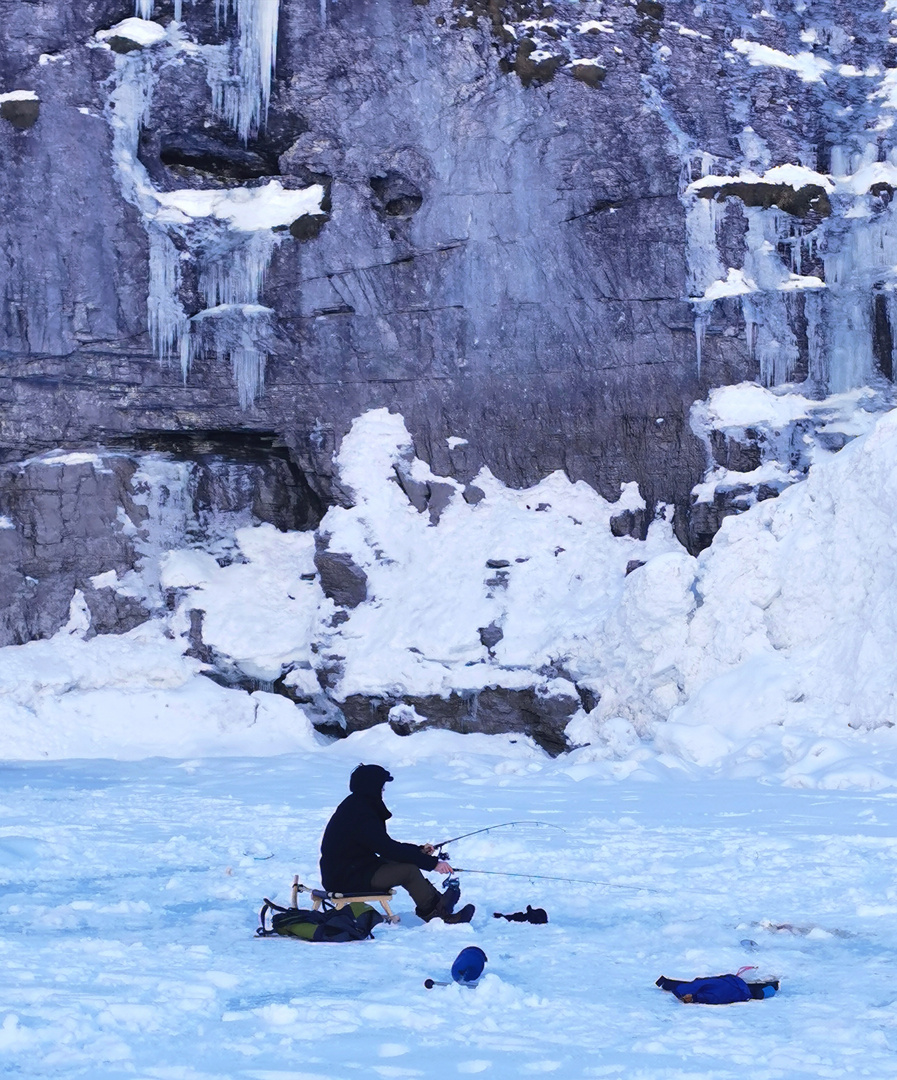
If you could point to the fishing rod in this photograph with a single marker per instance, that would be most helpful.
(489, 828)
(548, 877)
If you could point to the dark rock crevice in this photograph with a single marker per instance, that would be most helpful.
(811, 200)
(21, 113)
(238, 470)
(492, 711)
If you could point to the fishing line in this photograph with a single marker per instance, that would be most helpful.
(548, 877)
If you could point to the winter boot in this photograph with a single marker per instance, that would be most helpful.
(442, 910)
(464, 915)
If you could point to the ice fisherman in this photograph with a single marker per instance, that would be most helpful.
(359, 856)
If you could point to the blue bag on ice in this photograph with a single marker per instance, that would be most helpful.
(715, 990)
(719, 989)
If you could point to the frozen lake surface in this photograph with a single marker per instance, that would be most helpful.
(130, 893)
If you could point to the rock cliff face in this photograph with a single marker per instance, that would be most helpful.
(539, 232)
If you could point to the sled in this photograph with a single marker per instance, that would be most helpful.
(321, 898)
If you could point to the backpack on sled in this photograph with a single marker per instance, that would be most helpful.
(353, 922)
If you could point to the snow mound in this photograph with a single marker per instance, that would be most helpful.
(139, 31)
(542, 565)
(132, 696)
(771, 649)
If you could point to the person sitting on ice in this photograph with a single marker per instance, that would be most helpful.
(359, 856)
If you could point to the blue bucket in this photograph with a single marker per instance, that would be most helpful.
(469, 964)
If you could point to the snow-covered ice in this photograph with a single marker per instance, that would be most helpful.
(809, 68)
(731, 796)
(130, 893)
(243, 209)
(19, 95)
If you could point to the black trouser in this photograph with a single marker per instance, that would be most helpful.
(390, 874)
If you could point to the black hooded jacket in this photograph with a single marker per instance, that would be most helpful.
(356, 843)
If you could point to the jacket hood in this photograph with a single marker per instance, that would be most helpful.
(369, 780)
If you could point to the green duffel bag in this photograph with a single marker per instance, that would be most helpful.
(353, 922)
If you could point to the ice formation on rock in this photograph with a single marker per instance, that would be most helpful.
(240, 77)
(226, 234)
(245, 105)
(845, 224)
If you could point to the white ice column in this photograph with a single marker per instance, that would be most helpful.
(233, 272)
(167, 321)
(861, 252)
(241, 87)
(702, 256)
(235, 324)
(703, 262)
(848, 330)
(770, 337)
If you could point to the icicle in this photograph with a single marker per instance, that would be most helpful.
(770, 339)
(747, 313)
(715, 208)
(704, 265)
(167, 321)
(762, 262)
(242, 97)
(186, 352)
(243, 333)
(702, 317)
(249, 371)
(814, 307)
(840, 161)
(236, 273)
(143, 9)
(849, 326)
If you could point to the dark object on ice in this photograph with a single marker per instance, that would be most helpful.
(469, 964)
(463, 916)
(531, 915)
(717, 989)
(430, 983)
(747, 943)
(354, 922)
(490, 635)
